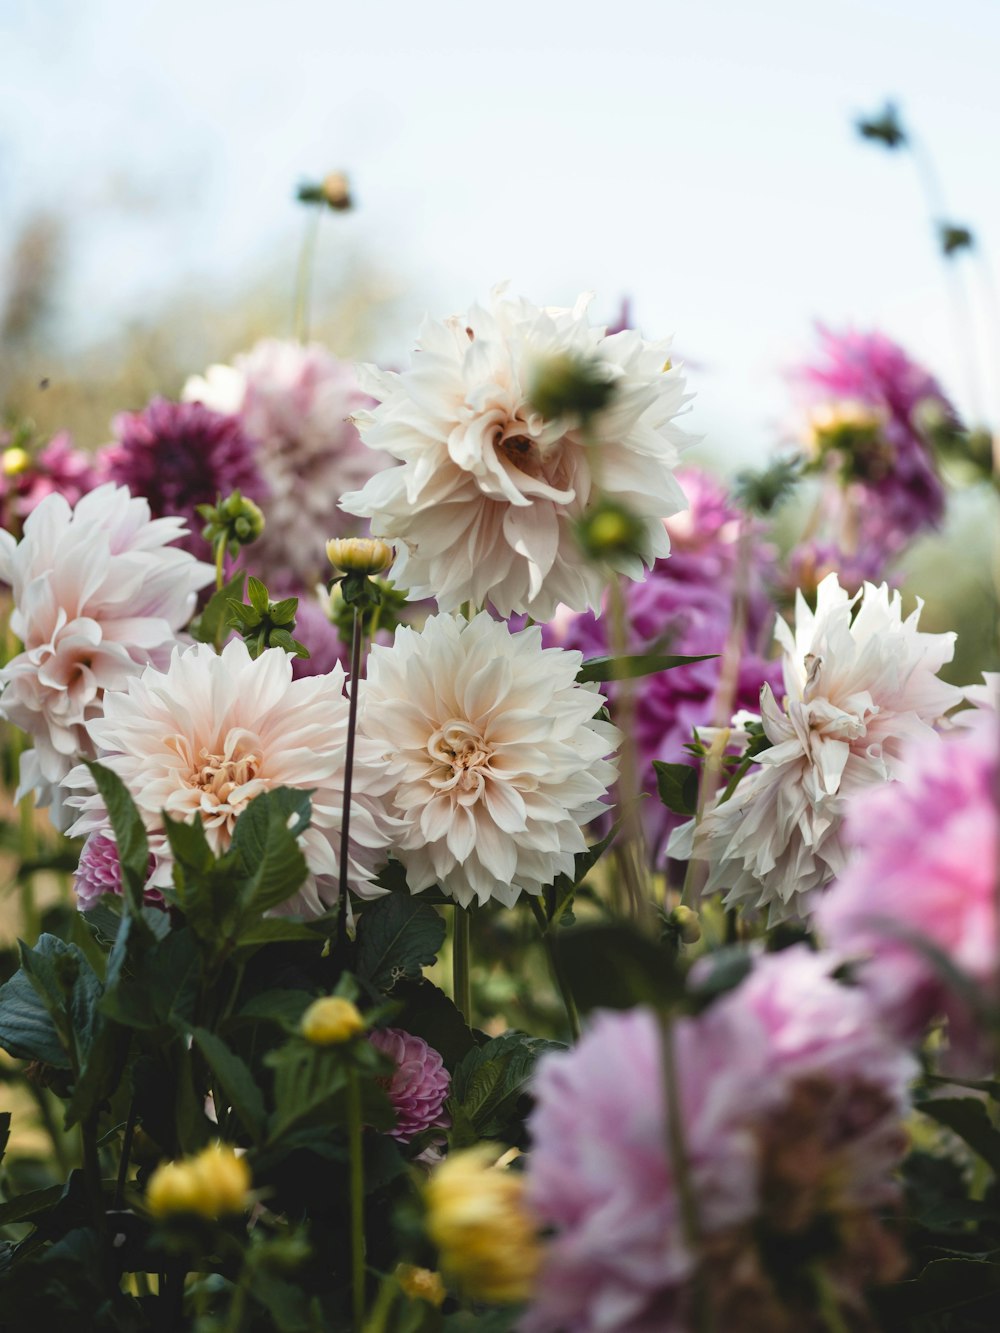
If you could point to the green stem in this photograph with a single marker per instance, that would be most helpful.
(384, 1301)
(357, 638)
(126, 1154)
(557, 973)
(303, 282)
(357, 1199)
(461, 949)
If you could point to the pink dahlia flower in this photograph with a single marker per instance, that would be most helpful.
(56, 469)
(792, 1100)
(100, 592)
(296, 403)
(927, 852)
(419, 1087)
(178, 456)
(100, 872)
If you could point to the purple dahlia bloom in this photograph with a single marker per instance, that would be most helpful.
(178, 456)
(419, 1087)
(100, 872)
(894, 483)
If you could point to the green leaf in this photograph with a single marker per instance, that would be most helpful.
(257, 595)
(969, 1119)
(26, 1028)
(601, 669)
(284, 1007)
(491, 1078)
(944, 1286)
(213, 621)
(129, 831)
(4, 1132)
(29, 1207)
(677, 785)
(428, 1013)
(277, 929)
(265, 840)
(310, 1084)
(235, 1081)
(397, 936)
(612, 966)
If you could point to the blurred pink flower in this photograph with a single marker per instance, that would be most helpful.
(925, 871)
(100, 872)
(419, 1087)
(792, 1101)
(25, 479)
(296, 403)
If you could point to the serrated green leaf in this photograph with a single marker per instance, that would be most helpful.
(677, 785)
(492, 1077)
(257, 595)
(397, 937)
(235, 1081)
(211, 625)
(428, 1013)
(601, 669)
(265, 841)
(27, 1031)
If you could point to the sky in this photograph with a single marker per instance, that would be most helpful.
(698, 158)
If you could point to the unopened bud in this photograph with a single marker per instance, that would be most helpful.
(568, 385)
(331, 1020)
(237, 521)
(687, 924)
(611, 530)
(359, 555)
(421, 1284)
(213, 1183)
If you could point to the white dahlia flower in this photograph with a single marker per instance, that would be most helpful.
(495, 756)
(295, 402)
(485, 503)
(860, 683)
(99, 594)
(203, 738)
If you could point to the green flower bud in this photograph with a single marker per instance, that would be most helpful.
(568, 385)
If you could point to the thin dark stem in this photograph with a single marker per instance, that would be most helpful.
(126, 1154)
(352, 725)
(558, 976)
(357, 1170)
(461, 948)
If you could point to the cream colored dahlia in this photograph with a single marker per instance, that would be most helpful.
(485, 504)
(99, 593)
(203, 738)
(860, 683)
(494, 754)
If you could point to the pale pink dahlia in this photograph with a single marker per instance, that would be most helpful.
(296, 403)
(99, 593)
(860, 682)
(178, 456)
(792, 1100)
(201, 739)
(927, 857)
(485, 504)
(419, 1087)
(494, 758)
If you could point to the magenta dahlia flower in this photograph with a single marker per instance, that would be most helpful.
(792, 1101)
(26, 480)
(923, 882)
(178, 456)
(100, 872)
(867, 398)
(419, 1087)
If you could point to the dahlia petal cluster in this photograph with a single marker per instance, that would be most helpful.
(178, 456)
(924, 869)
(890, 486)
(56, 469)
(494, 756)
(296, 403)
(420, 1085)
(860, 682)
(601, 1178)
(100, 591)
(202, 738)
(100, 872)
(685, 605)
(485, 504)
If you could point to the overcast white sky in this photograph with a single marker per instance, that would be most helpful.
(697, 156)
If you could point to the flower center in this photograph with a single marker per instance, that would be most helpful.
(458, 753)
(219, 777)
(520, 450)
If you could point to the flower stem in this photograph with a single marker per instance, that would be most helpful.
(126, 1154)
(304, 279)
(357, 635)
(557, 973)
(461, 948)
(357, 1199)
(630, 853)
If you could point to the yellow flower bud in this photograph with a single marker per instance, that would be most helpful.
(336, 191)
(15, 461)
(687, 923)
(331, 1020)
(359, 555)
(610, 530)
(421, 1284)
(476, 1216)
(211, 1184)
